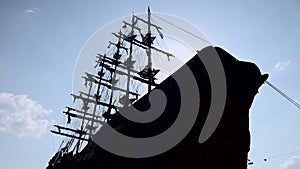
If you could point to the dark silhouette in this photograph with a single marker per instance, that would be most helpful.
(231, 141)
(227, 148)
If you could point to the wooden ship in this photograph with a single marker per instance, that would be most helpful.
(120, 82)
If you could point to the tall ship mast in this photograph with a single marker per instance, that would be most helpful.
(124, 75)
(120, 81)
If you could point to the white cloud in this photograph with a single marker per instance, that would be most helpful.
(22, 116)
(32, 11)
(279, 66)
(292, 163)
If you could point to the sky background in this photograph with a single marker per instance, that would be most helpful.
(41, 39)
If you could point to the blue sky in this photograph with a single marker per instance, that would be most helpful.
(40, 42)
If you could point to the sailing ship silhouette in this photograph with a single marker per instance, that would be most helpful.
(226, 148)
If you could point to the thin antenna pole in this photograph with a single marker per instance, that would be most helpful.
(149, 50)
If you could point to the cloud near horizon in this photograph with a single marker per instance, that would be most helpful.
(21, 116)
(292, 163)
(279, 66)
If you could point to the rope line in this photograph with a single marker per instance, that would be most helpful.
(196, 36)
(285, 154)
(281, 155)
(284, 95)
(268, 83)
